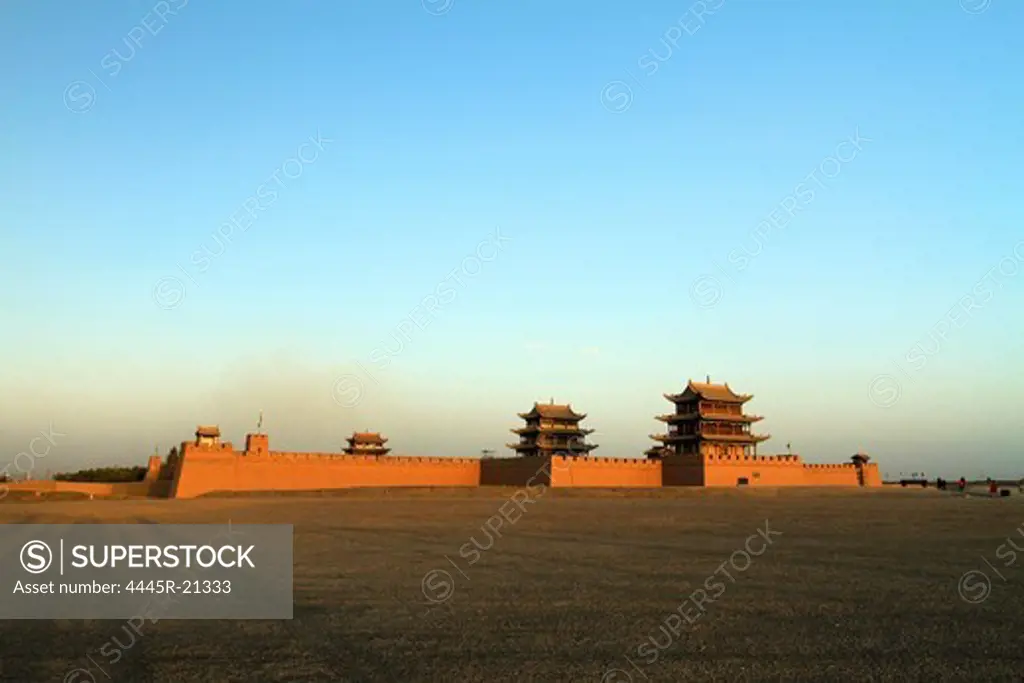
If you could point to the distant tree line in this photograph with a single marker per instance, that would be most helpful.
(104, 475)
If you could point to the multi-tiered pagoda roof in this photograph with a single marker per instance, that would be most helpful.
(708, 418)
(552, 429)
(366, 443)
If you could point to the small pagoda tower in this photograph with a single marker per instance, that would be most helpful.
(552, 429)
(708, 420)
(366, 443)
(208, 436)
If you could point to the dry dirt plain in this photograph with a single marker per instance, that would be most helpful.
(855, 585)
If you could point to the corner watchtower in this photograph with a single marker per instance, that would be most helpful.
(257, 444)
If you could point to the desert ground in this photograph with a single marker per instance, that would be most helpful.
(582, 585)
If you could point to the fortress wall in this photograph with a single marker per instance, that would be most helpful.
(521, 471)
(161, 488)
(153, 489)
(206, 470)
(591, 472)
(41, 485)
(777, 470)
(559, 471)
(831, 475)
(201, 470)
(782, 470)
(759, 470)
(872, 477)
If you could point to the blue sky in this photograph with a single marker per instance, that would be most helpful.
(629, 159)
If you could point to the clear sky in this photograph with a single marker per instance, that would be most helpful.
(591, 201)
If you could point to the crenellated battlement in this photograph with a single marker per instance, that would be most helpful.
(607, 462)
(343, 458)
(226, 450)
(789, 460)
(845, 466)
(223, 448)
(587, 471)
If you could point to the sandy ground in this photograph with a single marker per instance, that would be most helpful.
(412, 586)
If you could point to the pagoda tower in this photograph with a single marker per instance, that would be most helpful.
(708, 420)
(366, 443)
(552, 429)
(208, 436)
